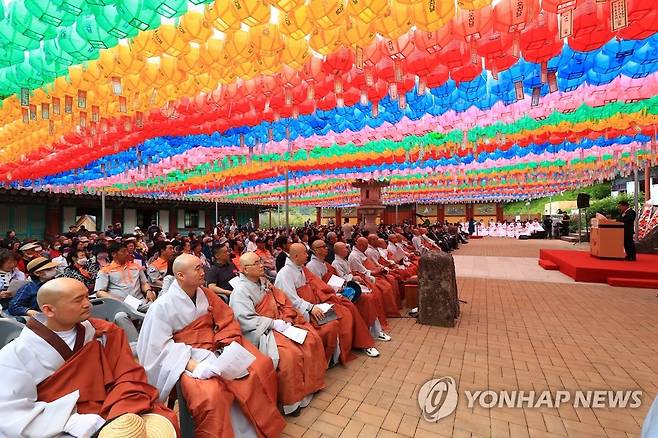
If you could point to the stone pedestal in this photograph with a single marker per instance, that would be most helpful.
(438, 303)
(371, 205)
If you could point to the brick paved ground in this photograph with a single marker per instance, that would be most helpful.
(512, 335)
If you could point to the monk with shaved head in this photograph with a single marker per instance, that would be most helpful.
(291, 279)
(70, 374)
(361, 263)
(183, 334)
(265, 314)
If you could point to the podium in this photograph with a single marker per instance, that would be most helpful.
(607, 239)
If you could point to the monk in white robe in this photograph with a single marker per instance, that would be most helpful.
(292, 281)
(264, 313)
(182, 334)
(68, 374)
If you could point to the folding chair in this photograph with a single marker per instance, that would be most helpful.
(9, 330)
(119, 313)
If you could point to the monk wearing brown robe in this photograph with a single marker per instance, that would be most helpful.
(183, 336)
(68, 373)
(265, 315)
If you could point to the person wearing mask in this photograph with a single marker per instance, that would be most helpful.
(122, 278)
(28, 252)
(9, 273)
(157, 270)
(80, 269)
(628, 216)
(24, 302)
(221, 272)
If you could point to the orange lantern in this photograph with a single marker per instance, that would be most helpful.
(252, 12)
(367, 10)
(327, 14)
(126, 60)
(396, 21)
(356, 33)
(325, 41)
(194, 26)
(239, 47)
(432, 42)
(296, 24)
(222, 16)
(431, 15)
(295, 53)
(266, 39)
(399, 48)
(287, 5)
(169, 40)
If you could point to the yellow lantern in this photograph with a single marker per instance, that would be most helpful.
(203, 83)
(287, 5)
(149, 74)
(239, 47)
(357, 33)
(431, 15)
(395, 22)
(193, 26)
(222, 16)
(267, 39)
(325, 41)
(191, 62)
(473, 4)
(245, 70)
(268, 65)
(127, 60)
(327, 14)
(296, 24)
(169, 40)
(367, 10)
(107, 64)
(211, 52)
(296, 53)
(131, 83)
(252, 12)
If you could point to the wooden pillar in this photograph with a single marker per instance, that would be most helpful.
(318, 215)
(173, 221)
(256, 218)
(469, 211)
(647, 181)
(499, 212)
(441, 212)
(53, 218)
(117, 215)
(339, 216)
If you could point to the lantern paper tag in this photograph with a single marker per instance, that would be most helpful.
(618, 14)
(241, 140)
(518, 89)
(544, 71)
(26, 115)
(393, 91)
(310, 93)
(25, 96)
(56, 109)
(117, 89)
(45, 111)
(83, 119)
(402, 102)
(369, 80)
(422, 88)
(566, 24)
(375, 109)
(51, 127)
(363, 100)
(338, 85)
(536, 92)
(340, 102)
(359, 58)
(82, 99)
(552, 81)
(33, 112)
(94, 113)
(68, 104)
(269, 134)
(139, 119)
(123, 107)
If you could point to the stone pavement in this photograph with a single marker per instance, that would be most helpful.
(513, 334)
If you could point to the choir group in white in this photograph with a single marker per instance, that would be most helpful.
(509, 229)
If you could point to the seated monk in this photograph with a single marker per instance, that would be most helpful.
(400, 255)
(360, 263)
(292, 281)
(404, 272)
(182, 334)
(371, 303)
(319, 274)
(264, 312)
(69, 374)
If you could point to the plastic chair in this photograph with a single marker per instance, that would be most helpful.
(9, 330)
(119, 313)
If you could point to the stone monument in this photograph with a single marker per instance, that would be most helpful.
(438, 303)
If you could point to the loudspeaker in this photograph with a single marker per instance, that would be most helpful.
(583, 200)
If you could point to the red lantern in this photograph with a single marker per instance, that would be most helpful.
(400, 48)
(432, 42)
(472, 25)
(466, 73)
(558, 6)
(591, 26)
(513, 15)
(642, 20)
(540, 40)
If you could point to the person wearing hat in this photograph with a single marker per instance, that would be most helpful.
(182, 335)
(264, 313)
(76, 375)
(122, 278)
(24, 302)
(28, 251)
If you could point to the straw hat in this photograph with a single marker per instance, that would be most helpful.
(125, 426)
(158, 426)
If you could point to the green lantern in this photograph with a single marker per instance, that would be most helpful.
(138, 14)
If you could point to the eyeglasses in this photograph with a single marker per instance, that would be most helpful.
(258, 263)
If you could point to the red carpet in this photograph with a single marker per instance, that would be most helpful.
(581, 266)
(548, 265)
(633, 282)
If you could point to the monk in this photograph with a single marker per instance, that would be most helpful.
(360, 263)
(182, 335)
(264, 313)
(402, 271)
(371, 303)
(320, 273)
(292, 281)
(69, 374)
